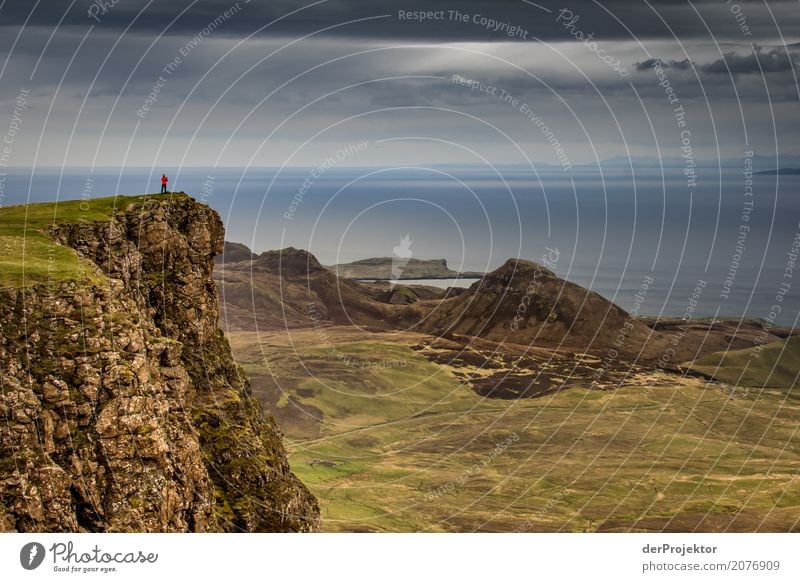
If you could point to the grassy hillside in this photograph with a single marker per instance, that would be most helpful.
(408, 447)
(28, 256)
(775, 365)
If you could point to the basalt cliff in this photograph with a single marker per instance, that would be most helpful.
(121, 408)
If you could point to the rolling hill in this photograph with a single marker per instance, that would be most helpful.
(772, 365)
(525, 303)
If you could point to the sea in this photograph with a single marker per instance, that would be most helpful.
(723, 244)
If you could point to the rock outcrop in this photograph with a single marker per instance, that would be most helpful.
(233, 253)
(121, 406)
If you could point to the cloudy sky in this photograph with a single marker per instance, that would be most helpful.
(214, 82)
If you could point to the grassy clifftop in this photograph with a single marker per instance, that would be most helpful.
(28, 256)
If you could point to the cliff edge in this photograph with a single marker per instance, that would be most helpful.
(121, 406)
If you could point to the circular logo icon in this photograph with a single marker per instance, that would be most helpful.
(31, 555)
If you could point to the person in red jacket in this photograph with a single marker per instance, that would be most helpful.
(164, 181)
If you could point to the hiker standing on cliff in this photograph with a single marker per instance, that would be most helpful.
(164, 181)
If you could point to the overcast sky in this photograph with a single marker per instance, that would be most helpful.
(279, 82)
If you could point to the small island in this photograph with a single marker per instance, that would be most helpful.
(381, 269)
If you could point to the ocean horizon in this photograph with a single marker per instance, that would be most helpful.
(608, 229)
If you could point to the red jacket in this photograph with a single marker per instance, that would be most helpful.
(164, 179)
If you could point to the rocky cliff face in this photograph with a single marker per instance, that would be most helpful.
(121, 407)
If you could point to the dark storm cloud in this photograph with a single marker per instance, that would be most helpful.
(774, 61)
(618, 20)
(760, 61)
(575, 90)
(102, 78)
